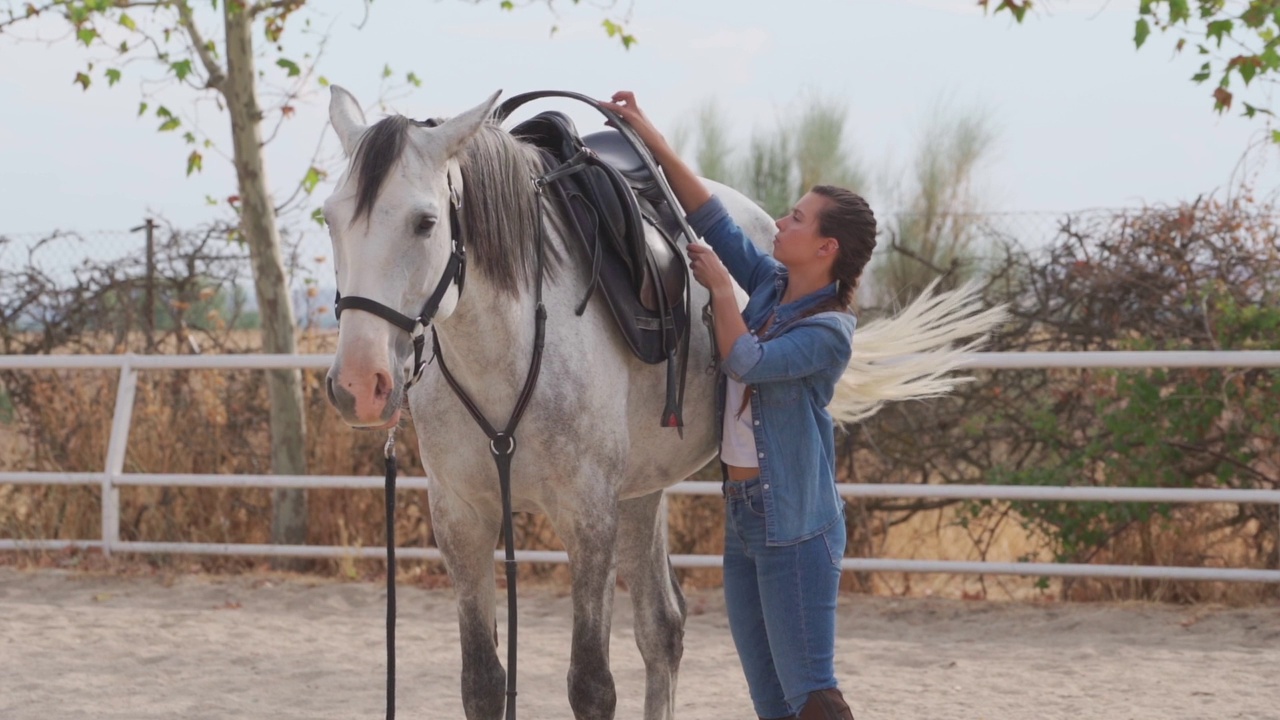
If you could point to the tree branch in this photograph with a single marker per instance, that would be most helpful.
(33, 11)
(285, 6)
(211, 66)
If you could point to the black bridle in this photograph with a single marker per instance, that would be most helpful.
(502, 443)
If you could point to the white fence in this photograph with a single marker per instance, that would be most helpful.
(114, 477)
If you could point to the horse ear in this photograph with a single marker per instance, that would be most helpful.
(459, 129)
(346, 117)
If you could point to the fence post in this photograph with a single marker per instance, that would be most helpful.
(149, 286)
(116, 447)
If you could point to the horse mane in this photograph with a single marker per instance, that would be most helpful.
(499, 205)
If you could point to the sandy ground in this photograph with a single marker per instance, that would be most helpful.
(74, 646)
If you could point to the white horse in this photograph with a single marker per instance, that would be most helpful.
(592, 455)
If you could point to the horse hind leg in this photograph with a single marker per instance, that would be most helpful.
(656, 598)
(466, 537)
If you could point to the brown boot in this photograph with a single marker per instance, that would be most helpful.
(826, 704)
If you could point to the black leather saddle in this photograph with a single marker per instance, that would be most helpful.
(611, 190)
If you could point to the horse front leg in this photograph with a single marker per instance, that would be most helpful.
(589, 533)
(466, 531)
(655, 596)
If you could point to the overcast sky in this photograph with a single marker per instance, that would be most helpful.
(1083, 119)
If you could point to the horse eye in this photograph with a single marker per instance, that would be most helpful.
(425, 225)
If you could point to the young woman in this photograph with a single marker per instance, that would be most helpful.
(781, 358)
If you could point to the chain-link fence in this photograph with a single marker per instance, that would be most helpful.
(151, 255)
(160, 268)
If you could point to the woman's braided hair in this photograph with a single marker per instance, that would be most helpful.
(848, 218)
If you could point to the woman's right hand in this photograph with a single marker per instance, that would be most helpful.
(624, 104)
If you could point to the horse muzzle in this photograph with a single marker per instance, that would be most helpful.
(365, 399)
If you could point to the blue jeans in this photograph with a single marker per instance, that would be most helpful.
(781, 602)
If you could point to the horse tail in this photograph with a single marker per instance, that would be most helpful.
(911, 355)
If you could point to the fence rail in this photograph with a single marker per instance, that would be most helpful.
(129, 365)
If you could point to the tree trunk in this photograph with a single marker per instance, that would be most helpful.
(258, 224)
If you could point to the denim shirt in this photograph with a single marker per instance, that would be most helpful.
(794, 367)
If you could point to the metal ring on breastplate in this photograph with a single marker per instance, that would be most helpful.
(511, 446)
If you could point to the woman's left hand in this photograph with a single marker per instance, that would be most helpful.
(708, 270)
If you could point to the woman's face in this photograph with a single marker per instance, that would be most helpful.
(799, 241)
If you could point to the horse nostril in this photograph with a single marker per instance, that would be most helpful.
(382, 386)
(328, 386)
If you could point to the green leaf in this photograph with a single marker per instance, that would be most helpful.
(1218, 29)
(1270, 59)
(182, 68)
(83, 80)
(1275, 136)
(1141, 31)
(113, 76)
(507, 5)
(312, 178)
(1256, 15)
(142, 107)
(289, 65)
(170, 124)
(86, 35)
(1247, 71)
(128, 22)
(323, 81)
(1250, 111)
(386, 71)
(210, 200)
(189, 137)
(195, 162)
(1205, 72)
(163, 112)
(1178, 10)
(611, 28)
(318, 216)
(413, 80)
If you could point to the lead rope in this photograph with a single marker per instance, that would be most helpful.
(389, 453)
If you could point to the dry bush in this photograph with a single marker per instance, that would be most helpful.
(1199, 276)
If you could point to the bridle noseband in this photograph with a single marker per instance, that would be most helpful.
(454, 271)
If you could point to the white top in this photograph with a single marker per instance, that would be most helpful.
(738, 441)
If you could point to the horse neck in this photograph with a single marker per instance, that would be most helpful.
(488, 340)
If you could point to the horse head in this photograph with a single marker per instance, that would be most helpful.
(390, 222)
